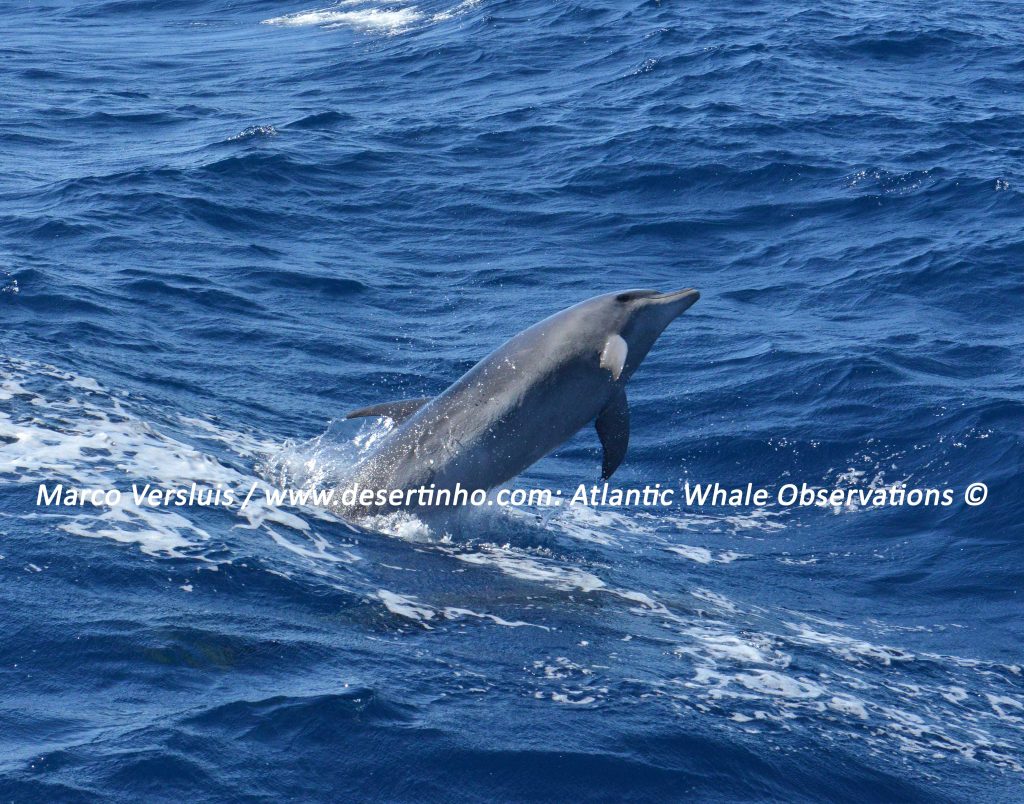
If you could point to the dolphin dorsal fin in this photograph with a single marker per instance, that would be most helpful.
(399, 410)
(613, 430)
(613, 357)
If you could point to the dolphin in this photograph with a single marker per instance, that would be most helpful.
(522, 401)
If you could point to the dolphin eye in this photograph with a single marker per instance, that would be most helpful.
(632, 295)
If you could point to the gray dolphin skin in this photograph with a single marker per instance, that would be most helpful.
(523, 400)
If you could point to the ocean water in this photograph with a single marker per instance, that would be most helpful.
(223, 224)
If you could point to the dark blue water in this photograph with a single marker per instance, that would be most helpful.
(223, 224)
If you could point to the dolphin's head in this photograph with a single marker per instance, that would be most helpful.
(641, 316)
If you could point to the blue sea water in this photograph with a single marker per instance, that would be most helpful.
(223, 224)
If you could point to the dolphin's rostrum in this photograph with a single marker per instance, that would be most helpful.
(524, 399)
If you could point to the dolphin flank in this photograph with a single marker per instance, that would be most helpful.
(524, 399)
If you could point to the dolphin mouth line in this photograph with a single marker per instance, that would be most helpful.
(691, 294)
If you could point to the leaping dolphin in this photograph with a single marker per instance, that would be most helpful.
(524, 399)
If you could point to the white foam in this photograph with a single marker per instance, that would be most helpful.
(413, 609)
(1002, 706)
(252, 132)
(852, 650)
(86, 383)
(319, 552)
(759, 520)
(713, 644)
(380, 19)
(574, 697)
(455, 11)
(582, 689)
(848, 705)
(96, 443)
(244, 444)
(455, 613)
(156, 532)
(954, 695)
(407, 607)
(401, 525)
(362, 15)
(703, 555)
(520, 565)
(10, 388)
(719, 601)
(773, 683)
(586, 524)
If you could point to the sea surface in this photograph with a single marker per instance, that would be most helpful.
(223, 224)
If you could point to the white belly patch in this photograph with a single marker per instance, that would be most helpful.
(613, 357)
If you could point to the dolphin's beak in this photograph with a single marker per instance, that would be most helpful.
(678, 301)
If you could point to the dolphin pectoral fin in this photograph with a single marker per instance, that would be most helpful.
(399, 410)
(613, 430)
